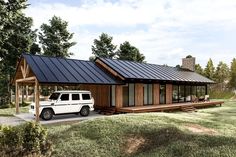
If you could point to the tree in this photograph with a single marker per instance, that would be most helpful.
(222, 72)
(55, 38)
(103, 47)
(16, 37)
(198, 69)
(209, 71)
(232, 81)
(128, 52)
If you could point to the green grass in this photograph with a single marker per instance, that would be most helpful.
(149, 134)
(12, 111)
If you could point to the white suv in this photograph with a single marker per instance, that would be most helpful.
(65, 102)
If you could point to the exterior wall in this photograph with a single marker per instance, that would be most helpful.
(168, 93)
(156, 94)
(100, 93)
(119, 96)
(138, 94)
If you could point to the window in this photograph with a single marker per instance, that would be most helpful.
(175, 94)
(86, 96)
(54, 96)
(188, 93)
(147, 94)
(113, 95)
(64, 97)
(181, 93)
(128, 95)
(131, 94)
(75, 96)
(162, 94)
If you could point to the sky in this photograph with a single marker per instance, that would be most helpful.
(163, 30)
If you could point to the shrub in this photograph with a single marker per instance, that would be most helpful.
(29, 139)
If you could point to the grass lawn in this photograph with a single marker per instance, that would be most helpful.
(208, 132)
(11, 111)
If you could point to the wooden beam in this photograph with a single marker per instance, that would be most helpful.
(26, 79)
(107, 68)
(36, 90)
(17, 98)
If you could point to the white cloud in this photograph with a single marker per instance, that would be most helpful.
(169, 30)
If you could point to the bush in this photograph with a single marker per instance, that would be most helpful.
(29, 139)
(221, 94)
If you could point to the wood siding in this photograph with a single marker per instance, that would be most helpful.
(168, 93)
(100, 93)
(138, 94)
(119, 96)
(156, 94)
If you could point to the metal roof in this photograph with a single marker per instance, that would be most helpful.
(68, 71)
(144, 71)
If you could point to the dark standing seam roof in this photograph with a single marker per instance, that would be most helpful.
(67, 71)
(144, 71)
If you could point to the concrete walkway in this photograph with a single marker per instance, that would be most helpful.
(59, 118)
(10, 121)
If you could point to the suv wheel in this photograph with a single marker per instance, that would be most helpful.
(47, 114)
(84, 111)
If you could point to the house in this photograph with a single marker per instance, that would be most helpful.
(115, 83)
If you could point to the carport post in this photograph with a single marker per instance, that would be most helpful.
(36, 100)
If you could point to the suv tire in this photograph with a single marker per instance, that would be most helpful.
(84, 111)
(47, 114)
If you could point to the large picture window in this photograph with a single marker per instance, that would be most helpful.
(147, 94)
(182, 93)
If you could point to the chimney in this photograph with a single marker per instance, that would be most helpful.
(188, 63)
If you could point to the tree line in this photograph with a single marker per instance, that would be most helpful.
(221, 74)
(53, 39)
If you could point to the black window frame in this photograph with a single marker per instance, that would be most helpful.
(83, 94)
(72, 98)
(64, 99)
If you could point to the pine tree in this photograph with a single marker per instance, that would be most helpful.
(55, 38)
(198, 69)
(128, 52)
(103, 47)
(232, 81)
(209, 71)
(222, 72)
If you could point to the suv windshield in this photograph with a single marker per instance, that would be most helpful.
(54, 96)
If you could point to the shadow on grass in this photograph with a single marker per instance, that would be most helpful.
(170, 141)
(107, 137)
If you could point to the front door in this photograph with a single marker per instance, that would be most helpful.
(162, 93)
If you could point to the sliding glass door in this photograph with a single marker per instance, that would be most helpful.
(128, 95)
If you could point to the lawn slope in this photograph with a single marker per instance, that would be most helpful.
(208, 132)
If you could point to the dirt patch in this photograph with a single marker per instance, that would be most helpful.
(200, 129)
(134, 143)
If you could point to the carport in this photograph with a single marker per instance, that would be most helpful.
(36, 70)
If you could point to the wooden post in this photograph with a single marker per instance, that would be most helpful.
(139, 94)
(36, 100)
(17, 98)
(119, 96)
(156, 94)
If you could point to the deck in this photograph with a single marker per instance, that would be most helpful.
(167, 107)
